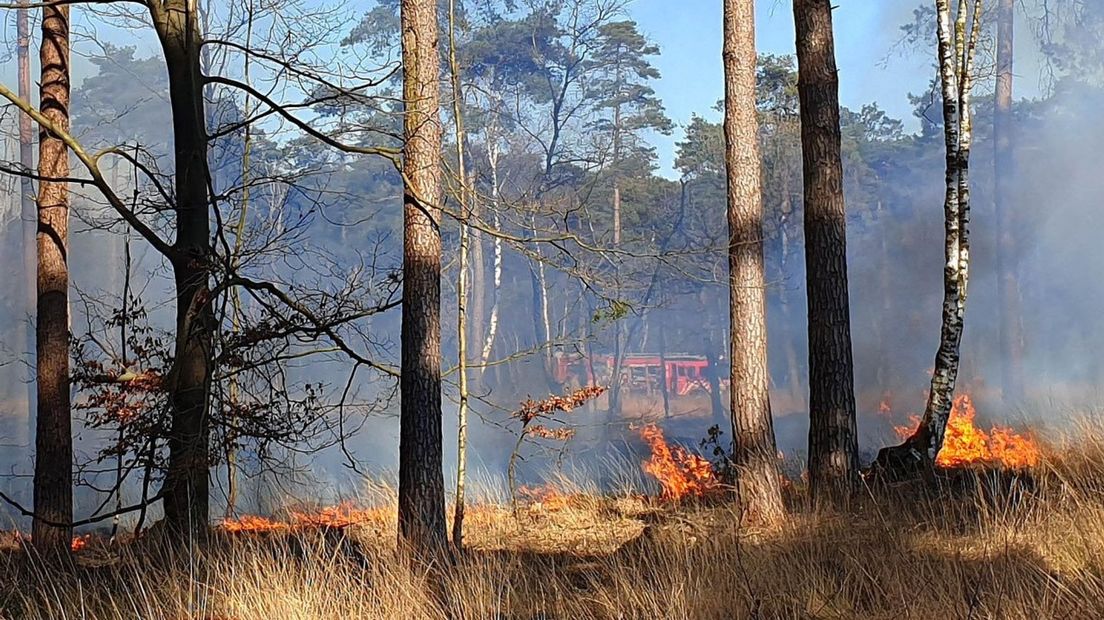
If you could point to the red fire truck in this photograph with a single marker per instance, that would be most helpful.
(640, 372)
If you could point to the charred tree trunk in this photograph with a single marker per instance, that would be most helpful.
(27, 209)
(421, 483)
(833, 441)
(754, 452)
(186, 486)
(53, 471)
(957, 44)
(1008, 288)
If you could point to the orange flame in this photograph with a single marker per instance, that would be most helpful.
(79, 542)
(679, 472)
(252, 523)
(547, 497)
(339, 516)
(966, 444)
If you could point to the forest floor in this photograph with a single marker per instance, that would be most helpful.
(979, 544)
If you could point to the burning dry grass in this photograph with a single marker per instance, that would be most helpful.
(967, 444)
(999, 548)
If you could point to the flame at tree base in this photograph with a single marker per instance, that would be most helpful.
(679, 473)
(966, 444)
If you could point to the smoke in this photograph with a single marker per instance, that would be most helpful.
(895, 195)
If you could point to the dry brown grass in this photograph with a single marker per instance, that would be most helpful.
(998, 549)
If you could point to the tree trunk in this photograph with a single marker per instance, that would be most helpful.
(754, 452)
(833, 442)
(496, 277)
(421, 483)
(27, 208)
(465, 197)
(542, 325)
(956, 55)
(186, 486)
(1008, 288)
(53, 471)
(789, 346)
(664, 388)
(616, 216)
(794, 385)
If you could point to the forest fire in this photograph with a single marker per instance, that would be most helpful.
(966, 444)
(547, 497)
(680, 473)
(339, 516)
(80, 542)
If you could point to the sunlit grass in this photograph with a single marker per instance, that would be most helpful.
(1030, 548)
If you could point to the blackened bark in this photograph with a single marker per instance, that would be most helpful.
(186, 486)
(833, 442)
(1008, 288)
(53, 471)
(754, 452)
(421, 482)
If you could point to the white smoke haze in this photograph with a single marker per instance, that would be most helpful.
(348, 213)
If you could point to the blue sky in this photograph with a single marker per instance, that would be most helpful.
(872, 67)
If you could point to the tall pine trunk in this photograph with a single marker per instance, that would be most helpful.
(421, 483)
(754, 452)
(1008, 288)
(833, 441)
(53, 471)
(186, 486)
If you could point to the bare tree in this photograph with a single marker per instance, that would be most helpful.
(754, 451)
(421, 482)
(53, 471)
(289, 316)
(187, 482)
(833, 441)
(958, 40)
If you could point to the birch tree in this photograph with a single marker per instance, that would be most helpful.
(958, 38)
(465, 197)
